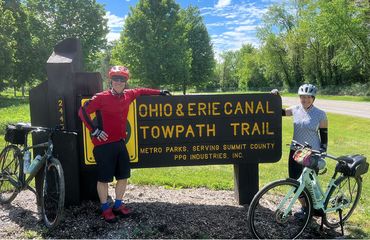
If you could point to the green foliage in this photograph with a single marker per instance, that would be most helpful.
(7, 43)
(165, 46)
(321, 42)
(199, 43)
(229, 78)
(30, 29)
(153, 44)
(250, 69)
(61, 19)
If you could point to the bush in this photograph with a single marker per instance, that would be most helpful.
(356, 89)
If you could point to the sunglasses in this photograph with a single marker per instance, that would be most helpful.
(119, 79)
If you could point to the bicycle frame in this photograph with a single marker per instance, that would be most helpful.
(46, 156)
(308, 180)
(43, 160)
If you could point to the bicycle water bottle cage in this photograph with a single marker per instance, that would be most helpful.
(352, 165)
(305, 157)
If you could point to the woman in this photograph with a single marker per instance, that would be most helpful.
(310, 125)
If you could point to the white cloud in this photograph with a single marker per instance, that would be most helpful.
(112, 36)
(114, 21)
(236, 24)
(222, 3)
(115, 25)
(246, 28)
(232, 41)
(216, 24)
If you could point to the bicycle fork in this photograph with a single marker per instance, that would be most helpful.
(297, 192)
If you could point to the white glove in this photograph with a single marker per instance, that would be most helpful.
(275, 91)
(100, 135)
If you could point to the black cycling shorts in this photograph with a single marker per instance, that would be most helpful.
(112, 160)
(295, 169)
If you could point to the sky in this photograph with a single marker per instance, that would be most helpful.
(230, 23)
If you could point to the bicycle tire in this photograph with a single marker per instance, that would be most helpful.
(10, 169)
(264, 221)
(334, 198)
(53, 193)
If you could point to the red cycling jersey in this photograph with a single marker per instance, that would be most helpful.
(111, 111)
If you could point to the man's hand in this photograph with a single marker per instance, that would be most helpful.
(100, 135)
(275, 92)
(165, 93)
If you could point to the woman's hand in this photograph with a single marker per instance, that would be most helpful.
(275, 92)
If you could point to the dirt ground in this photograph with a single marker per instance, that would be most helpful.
(159, 213)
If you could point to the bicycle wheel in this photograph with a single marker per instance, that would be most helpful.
(10, 174)
(53, 192)
(266, 218)
(348, 190)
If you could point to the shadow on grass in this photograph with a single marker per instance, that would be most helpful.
(12, 101)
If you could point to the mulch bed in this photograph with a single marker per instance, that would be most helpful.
(159, 213)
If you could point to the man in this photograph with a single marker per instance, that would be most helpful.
(108, 136)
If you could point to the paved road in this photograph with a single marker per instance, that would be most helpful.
(358, 109)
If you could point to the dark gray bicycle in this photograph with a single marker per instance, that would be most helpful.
(14, 179)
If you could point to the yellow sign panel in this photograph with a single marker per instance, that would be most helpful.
(131, 139)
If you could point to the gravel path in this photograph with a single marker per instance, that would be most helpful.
(358, 109)
(160, 213)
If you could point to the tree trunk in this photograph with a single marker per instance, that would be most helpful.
(23, 91)
(15, 91)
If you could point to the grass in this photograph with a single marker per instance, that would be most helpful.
(347, 135)
(13, 110)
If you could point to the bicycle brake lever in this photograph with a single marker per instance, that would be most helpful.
(307, 144)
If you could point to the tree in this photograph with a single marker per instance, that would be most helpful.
(249, 69)
(199, 43)
(344, 26)
(20, 64)
(230, 79)
(153, 44)
(7, 45)
(281, 42)
(59, 19)
(322, 42)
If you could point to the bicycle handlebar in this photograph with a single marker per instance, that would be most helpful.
(296, 145)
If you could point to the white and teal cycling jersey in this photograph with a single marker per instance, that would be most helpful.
(306, 125)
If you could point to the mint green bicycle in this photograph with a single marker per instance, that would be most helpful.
(283, 208)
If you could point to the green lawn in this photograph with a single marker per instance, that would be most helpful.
(347, 135)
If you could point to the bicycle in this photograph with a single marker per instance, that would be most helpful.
(13, 179)
(276, 210)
